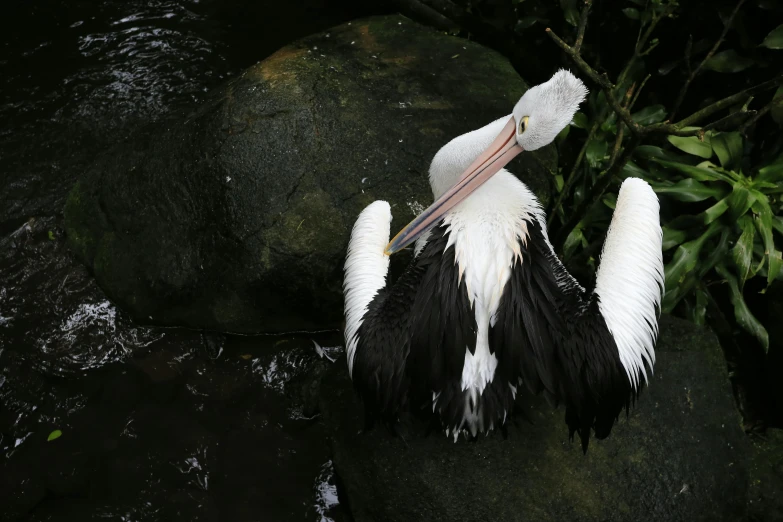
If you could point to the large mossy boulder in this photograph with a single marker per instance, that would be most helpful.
(236, 216)
(680, 455)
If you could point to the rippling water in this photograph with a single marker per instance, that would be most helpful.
(153, 424)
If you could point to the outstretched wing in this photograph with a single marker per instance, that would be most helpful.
(413, 337)
(548, 334)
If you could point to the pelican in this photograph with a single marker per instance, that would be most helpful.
(485, 306)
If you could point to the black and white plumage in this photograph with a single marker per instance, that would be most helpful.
(486, 307)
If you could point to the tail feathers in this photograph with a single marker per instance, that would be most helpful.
(630, 280)
(366, 267)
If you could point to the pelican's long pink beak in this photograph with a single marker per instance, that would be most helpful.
(489, 162)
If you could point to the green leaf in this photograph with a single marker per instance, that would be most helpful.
(686, 222)
(559, 182)
(685, 258)
(580, 120)
(575, 239)
(742, 253)
(741, 311)
(596, 152)
(728, 62)
(51, 235)
(697, 312)
(758, 252)
(526, 22)
(570, 11)
(718, 253)
(777, 224)
(671, 299)
(563, 133)
(672, 237)
(632, 170)
(631, 13)
(740, 200)
(728, 148)
(650, 114)
(692, 276)
(774, 39)
(652, 152)
(610, 200)
(56, 434)
(715, 211)
(771, 173)
(689, 190)
(697, 173)
(764, 227)
(610, 123)
(692, 145)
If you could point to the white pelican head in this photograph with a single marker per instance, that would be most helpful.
(539, 116)
(544, 110)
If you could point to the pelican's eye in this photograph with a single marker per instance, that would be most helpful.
(523, 124)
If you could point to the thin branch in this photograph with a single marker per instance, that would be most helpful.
(642, 41)
(597, 192)
(638, 92)
(580, 32)
(569, 182)
(601, 80)
(725, 103)
(764, 110)
(733, 121)
(619, 159)
(618, 141)
(710, 54)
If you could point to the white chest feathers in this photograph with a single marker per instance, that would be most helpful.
(486, 229)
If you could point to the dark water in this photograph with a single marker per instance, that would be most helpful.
(156, 424)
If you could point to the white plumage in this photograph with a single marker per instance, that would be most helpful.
(490, 235)
(630, 279)
(365, 268)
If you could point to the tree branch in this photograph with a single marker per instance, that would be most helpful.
(580, 32)
(642, 41)
(618, 159)
(638, 91)
(597, 192)
(727, 102)
(569, 182)
(710, 54)
(602, 80)
(764, 110)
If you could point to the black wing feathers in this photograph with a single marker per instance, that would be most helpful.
(555, 339)
(413, 337)
(546, 334)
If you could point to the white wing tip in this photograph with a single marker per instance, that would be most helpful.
(366, 266)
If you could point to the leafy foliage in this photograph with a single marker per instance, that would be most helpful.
(733, 235)
(719, 188)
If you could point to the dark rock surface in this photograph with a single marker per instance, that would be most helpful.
(765, 497)
(236, 216)
(680, 455)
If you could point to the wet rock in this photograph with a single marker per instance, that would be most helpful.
(235, 216)
(680, 455)
(766, 477)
